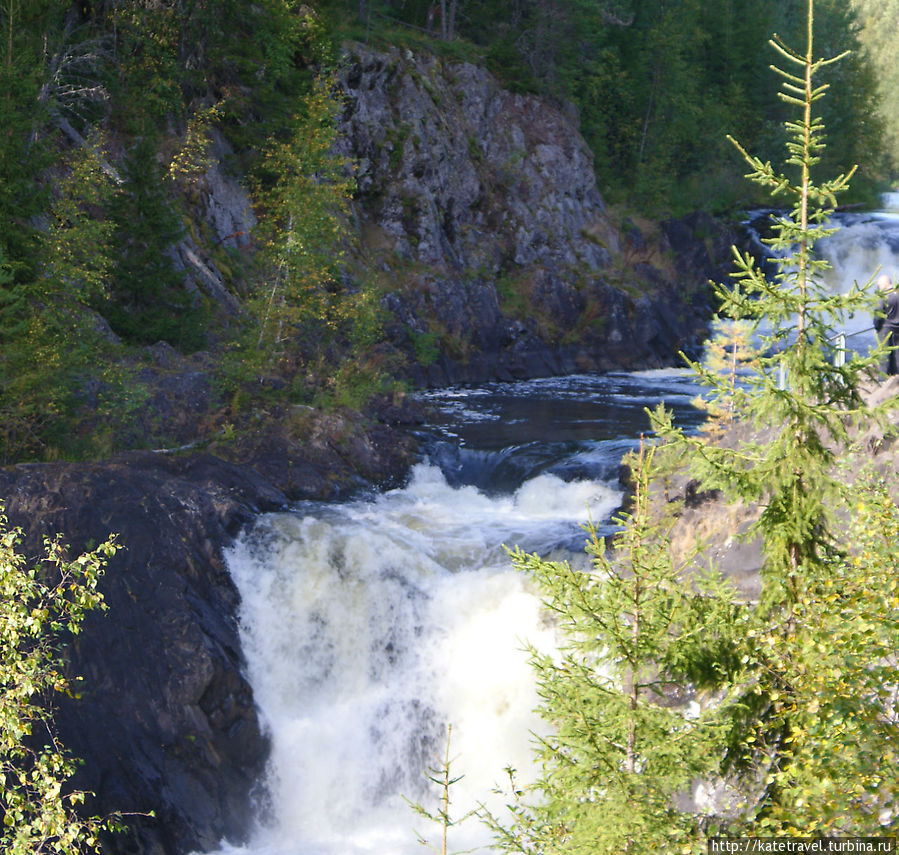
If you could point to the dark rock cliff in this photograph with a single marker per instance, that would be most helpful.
(165, 721)
(479, 209)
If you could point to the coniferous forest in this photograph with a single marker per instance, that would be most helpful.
(206, 242)
(111, 111)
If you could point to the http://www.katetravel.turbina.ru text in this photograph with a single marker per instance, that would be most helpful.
(796, 845)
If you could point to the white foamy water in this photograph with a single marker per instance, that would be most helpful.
(864, 246)
(368, 628)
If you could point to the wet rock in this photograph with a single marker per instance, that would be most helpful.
(166, 721)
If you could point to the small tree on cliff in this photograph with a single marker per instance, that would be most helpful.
(306, 204)
(37, 605)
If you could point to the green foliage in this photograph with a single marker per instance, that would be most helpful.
(52, 338)
(879, 20)
(191, 161)
(305, 190)
(799, 687)
(727, 356)
(814, 650)
(791, 472)
(27, 28)
(38, 604)
(825, 676)
(77, 246)
(621, 746)
(147, 300)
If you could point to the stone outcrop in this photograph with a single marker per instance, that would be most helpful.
(480, 209)
(165, 721)
(463, 174)
(720, 526)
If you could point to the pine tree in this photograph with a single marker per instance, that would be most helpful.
(811, 714)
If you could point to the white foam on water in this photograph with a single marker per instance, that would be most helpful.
(368, 628)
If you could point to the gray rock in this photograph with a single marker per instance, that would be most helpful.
(165, 721)
(461, 184)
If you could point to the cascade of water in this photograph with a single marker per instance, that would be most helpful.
(865, 245)
(368, 627)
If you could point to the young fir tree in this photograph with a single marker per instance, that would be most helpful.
(728, 355)
(814, 713)
(797, 320)
(623, 747)
(442, 777)
(147, 301)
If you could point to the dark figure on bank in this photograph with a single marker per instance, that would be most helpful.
(886, 320)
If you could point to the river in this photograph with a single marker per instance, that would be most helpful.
(371, 626)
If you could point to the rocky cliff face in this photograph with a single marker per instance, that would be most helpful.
(165, 721)
(463, 175)
(480, 209)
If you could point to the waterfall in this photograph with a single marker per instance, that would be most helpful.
(368, 628)
(865, 245)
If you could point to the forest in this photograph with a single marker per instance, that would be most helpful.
(110, 108)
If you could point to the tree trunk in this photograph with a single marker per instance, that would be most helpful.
(451, 24)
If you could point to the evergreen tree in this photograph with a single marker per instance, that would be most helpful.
(803, 681)
(26, 28)
(147, 300)
(622, 748)
(813, 630)
(797, 320)
(728, 355)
